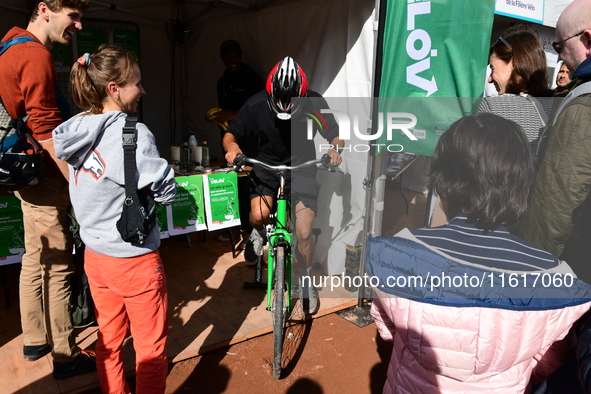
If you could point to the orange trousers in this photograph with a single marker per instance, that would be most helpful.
(130, 297)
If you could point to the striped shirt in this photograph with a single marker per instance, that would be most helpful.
(497, 249)
(521, 111)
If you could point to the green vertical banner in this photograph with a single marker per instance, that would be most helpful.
(187, 213)
(12, 230)
(433, 49)
(221, 200)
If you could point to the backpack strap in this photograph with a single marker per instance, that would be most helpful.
(538, 106)
(16, 123)
(129, 147)
(17, 40)
(580, 90)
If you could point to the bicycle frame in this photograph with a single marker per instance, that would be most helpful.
(279, 245)
(279, 232)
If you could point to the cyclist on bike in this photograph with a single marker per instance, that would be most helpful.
(270, 115)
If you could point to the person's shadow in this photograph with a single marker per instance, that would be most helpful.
(208, 299)
(379, 371)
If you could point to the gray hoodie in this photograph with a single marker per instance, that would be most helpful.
(92, 146)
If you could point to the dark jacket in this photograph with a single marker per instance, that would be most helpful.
(557, 218)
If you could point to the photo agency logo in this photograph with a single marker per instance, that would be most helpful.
(355, 140)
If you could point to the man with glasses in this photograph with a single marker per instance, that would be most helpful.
(559, 216)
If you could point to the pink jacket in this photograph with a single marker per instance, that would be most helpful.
(441, 346)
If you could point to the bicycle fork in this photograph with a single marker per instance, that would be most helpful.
(280, 236)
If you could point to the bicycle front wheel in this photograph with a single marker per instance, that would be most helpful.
(279, 310)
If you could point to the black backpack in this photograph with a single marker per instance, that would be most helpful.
(18, 167)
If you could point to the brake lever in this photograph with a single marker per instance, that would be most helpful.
(239, 162)
(325, 161)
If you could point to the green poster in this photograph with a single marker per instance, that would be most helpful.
(128, 39)
(221, 200)
(162, 221)
(434, 49)
(61, 56)
(187, 212)
(89, 39)
(12, 231)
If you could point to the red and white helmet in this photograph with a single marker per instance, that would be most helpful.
(285, 81)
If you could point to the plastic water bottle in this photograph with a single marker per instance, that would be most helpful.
(192, 140)
(185, 156)
(205, 154)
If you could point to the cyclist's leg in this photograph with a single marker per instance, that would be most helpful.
(305, 251)
(303, 226)
(263, 187)
(260, 210)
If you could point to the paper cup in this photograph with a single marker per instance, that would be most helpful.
(175, 153)
(197, 154)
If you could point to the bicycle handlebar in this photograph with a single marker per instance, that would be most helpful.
(241, 159)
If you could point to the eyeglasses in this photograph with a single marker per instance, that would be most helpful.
(558, 45)
(502, 40)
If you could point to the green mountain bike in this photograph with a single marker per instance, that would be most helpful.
(280, 254)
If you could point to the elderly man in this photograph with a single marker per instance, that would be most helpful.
(559, 217)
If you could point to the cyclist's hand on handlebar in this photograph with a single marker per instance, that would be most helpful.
(335, 158)
(232, 153)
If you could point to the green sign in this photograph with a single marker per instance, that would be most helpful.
(221, 200)
(434, 49)
(12, 232)
(128, 39)
(187, 212)
(61, 56)
(89, 39)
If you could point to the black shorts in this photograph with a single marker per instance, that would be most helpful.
(299, 186)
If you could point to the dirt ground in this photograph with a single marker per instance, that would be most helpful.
(329, 354)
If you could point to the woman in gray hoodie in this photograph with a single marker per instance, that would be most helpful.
(127, 280)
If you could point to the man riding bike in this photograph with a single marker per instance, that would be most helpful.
(280, 124)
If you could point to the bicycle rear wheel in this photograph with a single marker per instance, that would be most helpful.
(279, 310)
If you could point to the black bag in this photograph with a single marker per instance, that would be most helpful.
(81, 303)
(19, 167)
(138, 217)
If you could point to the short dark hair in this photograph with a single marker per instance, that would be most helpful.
(55, 6)
(483, 166)
(230, 45)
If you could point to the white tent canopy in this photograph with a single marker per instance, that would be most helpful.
(333, 40)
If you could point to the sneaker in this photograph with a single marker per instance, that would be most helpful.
(254, 248)
(33, 353)
(84, 363)
(309, 300)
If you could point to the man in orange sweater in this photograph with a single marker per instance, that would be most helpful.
(29, 86)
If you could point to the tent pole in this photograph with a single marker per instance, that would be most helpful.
(369, 180)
